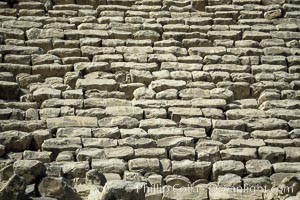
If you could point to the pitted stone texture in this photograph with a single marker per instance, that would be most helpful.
(192, 92)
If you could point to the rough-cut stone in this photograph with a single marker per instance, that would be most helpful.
(229, 124)
(126, 190)
(181, 153)
(119, 121)
(191, 168)
(292, 154)
(156, 123)
(56, 145)
(42, 94)
(10, 90)
(163, 84)
(266, 124)
(164, 132)
(236, 114)
(253, 143)
(127, 66)
(208, 153)
(87, 67)
(227, 166)
(14, 188)
(45, 157)
(99, 142)
(208, 103)
(273, 154)
(99, 84)
(57, 187)
(87, 154)
(125, 153)
(137, 142)
(225, 136)
(73, 132)
(275, 134)
(72, 121)
(31, 170)
(259, 168)
(175, 94)
(134, 112)
(144, 165)
(109, 165)
(194, 193)
(286, 167)
(240, 154)
(35, 33)
(199, 122)
(169, 142)
(15, 140)
(229, 193)
(229, 180)
(203, 51)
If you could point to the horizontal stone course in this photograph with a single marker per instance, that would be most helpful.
(99, 99)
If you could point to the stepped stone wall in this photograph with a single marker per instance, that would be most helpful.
(118, 99)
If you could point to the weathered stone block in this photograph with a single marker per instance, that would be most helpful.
(227, 166)
(72, 121)
(144, 165)
(192, 169)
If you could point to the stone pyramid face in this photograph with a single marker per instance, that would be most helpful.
(149, 99)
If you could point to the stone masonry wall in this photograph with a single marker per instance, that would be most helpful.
(179, 94)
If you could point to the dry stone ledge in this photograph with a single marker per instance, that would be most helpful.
(56, 187)
(150, 99)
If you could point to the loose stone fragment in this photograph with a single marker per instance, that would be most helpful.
(31, 170)
(14, 188)
(57, 188)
